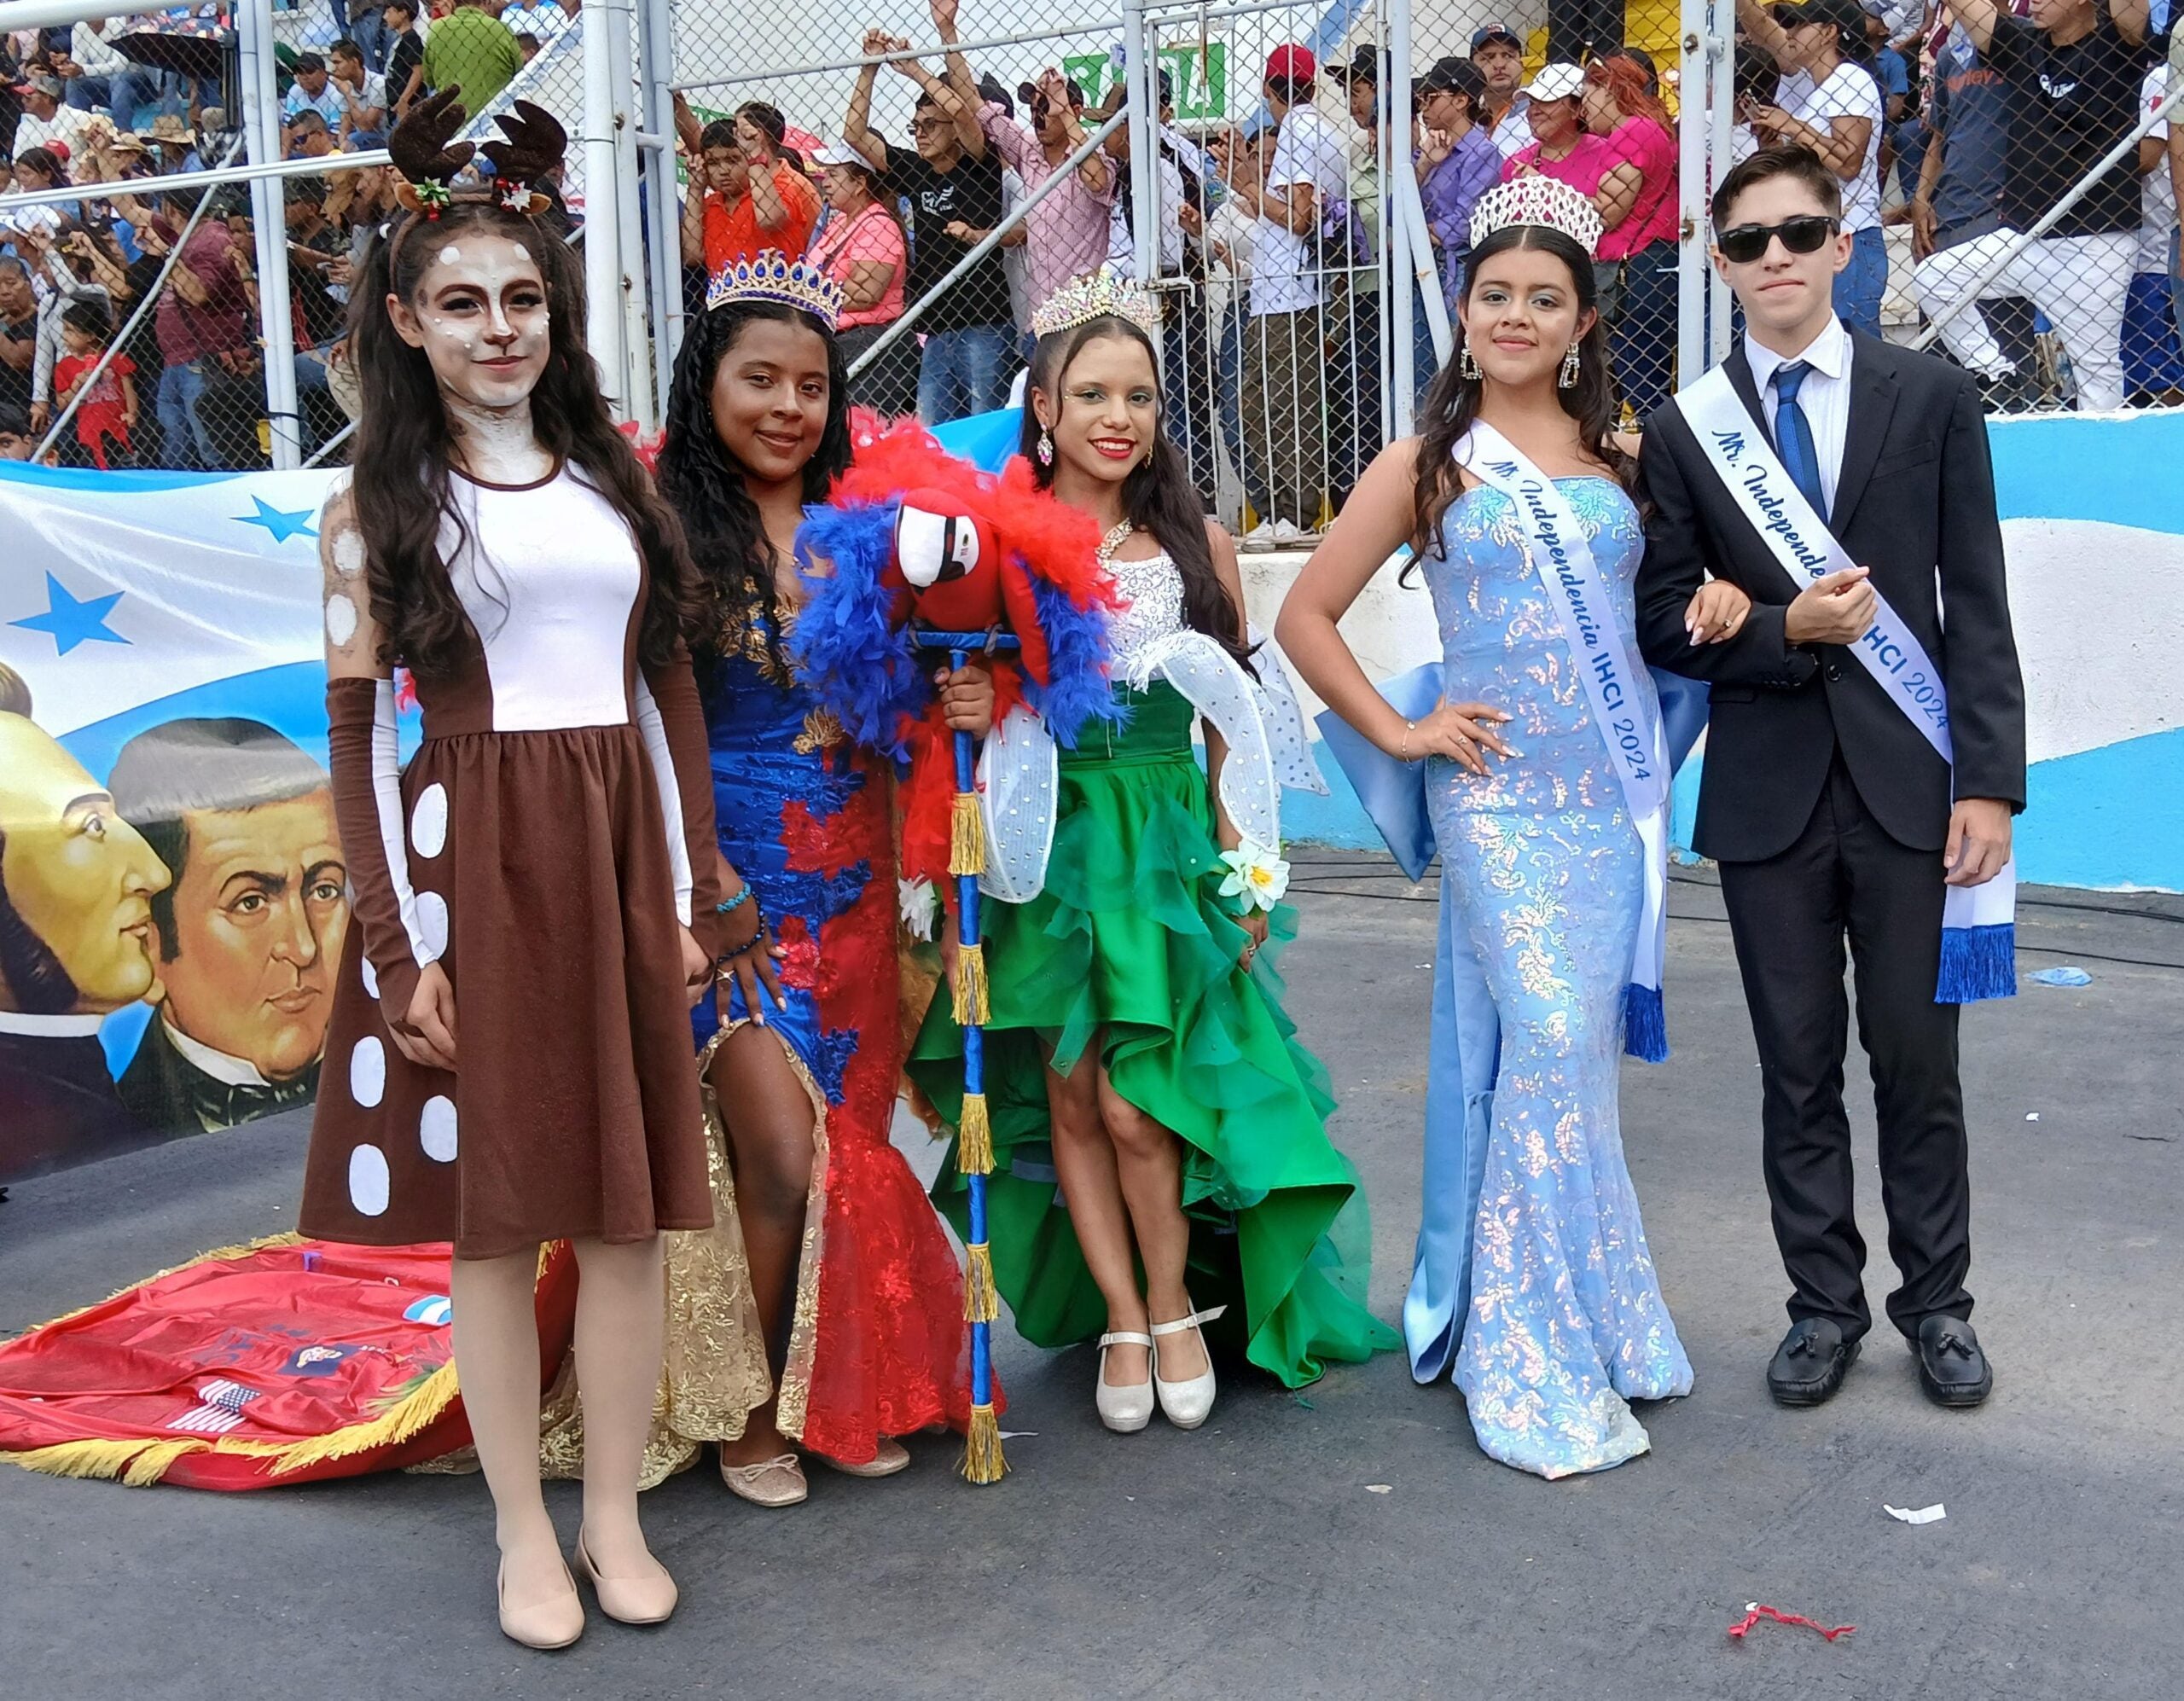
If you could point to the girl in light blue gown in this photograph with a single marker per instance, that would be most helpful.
(1533, 1280)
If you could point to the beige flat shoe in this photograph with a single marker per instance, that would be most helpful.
(630, 1600)
(544, 1624)
(892, 1456)
(776, 1482)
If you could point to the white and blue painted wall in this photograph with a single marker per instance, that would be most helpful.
(2093, 516)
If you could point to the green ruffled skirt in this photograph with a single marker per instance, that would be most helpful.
(1130, 941)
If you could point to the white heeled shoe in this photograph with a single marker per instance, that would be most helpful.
(1129, 1408)
(1189, 1403)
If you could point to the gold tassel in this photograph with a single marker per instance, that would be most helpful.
(150, 1466)
(974, 1138)
(967, 836)
(137, 1461)
(982, 1460)
(422, 1405)
(973, 1003)
(980, 1302)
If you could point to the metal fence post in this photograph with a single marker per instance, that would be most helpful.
(629, 229)
(663, 239)
(1397, 235)
(261, 117)
(1697, 84)
(602, 262)
(1141, 113)
(1721, 111)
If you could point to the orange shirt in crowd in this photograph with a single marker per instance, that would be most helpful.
(732, 229)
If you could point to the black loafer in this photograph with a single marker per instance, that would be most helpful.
(1808, 1368)
(1951, 1368)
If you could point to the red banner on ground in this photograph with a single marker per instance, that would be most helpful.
(288, 1360)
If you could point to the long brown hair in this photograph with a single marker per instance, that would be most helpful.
(1451, 404)
(1158, 496)
(404, 449)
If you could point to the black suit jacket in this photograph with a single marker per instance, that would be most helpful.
(58, 1107)
(164, 1090)
(1914, 502)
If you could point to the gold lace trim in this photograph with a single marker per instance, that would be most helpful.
(714, 1374)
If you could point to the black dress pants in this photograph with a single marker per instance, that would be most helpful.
(1845, 878)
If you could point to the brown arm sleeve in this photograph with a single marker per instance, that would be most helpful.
(360, 742)
(675, 691)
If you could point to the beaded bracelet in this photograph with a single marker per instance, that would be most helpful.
(729, 906)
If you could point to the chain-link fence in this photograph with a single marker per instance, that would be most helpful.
(2007, 180)
(191, 316)
(2008, 185)
(1305, 225)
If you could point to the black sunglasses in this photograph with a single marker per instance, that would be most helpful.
(1746, 243)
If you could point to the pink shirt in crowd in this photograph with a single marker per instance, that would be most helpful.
(872, 234)
(1642, 142)
(1065, 234)
(1582, 167)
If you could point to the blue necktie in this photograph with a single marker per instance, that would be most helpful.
(1794, 433)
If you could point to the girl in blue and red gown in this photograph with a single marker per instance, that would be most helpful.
(824, 1236)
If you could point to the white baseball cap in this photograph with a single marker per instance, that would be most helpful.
(838, 154)
(1556, 82)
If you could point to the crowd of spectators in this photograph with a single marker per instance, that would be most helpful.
(1961, 121)
(183, 386)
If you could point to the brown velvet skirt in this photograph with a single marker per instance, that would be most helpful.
(573, 1110)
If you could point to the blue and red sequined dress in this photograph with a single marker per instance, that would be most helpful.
(878, 1344)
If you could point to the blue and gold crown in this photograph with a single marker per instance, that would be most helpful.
(773, 276)
(1097, 295)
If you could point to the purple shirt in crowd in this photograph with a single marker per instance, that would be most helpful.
(1065, 234)
(1450, 190)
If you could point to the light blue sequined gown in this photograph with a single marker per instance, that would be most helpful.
(1533, 1275)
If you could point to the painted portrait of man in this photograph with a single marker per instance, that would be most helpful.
(76, 884)
(249, 935)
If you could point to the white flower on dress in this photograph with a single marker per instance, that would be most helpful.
(920, 906)
(1256, 874)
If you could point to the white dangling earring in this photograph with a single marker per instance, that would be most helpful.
(1465, 365)
(1046, 448)
(1569, 378)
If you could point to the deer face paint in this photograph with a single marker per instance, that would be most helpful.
(480, 315)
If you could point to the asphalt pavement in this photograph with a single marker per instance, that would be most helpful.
(1347, 1540)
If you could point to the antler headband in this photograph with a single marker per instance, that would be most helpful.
(429, 160)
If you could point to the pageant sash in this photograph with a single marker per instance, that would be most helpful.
(1978, 930)
(1617, 687)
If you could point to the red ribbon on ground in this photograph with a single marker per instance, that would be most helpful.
(1754, 1612)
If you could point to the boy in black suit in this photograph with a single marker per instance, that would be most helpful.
(1831, 814)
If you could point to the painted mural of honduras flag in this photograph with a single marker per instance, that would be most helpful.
(161, 675)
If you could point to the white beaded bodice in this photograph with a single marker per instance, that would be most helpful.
(1152, 592)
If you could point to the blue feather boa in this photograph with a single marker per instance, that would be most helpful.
(1078, 689)
(857, 663)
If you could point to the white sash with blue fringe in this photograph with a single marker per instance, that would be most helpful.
(1616, 686)
(1978, 923)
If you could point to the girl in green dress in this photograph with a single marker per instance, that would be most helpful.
(1160, 1157)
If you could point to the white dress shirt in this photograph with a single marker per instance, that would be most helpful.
(1825, 395)
(228, 1071)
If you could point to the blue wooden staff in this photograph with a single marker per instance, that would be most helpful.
(982, 1460)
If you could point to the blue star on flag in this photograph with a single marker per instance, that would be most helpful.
(70, 623)
(282, 526)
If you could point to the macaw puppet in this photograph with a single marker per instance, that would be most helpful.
(914, 540)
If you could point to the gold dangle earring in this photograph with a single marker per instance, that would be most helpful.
(1568, 381)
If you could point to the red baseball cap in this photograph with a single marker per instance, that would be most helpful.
(1293, 63)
